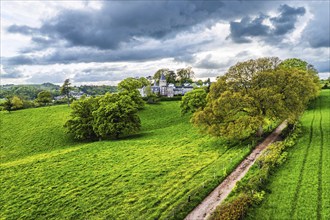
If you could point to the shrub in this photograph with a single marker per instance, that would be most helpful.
(234, 209)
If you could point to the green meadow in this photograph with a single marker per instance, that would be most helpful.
(300, 189)
(160, 173)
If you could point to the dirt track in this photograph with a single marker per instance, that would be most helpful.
(208, 205)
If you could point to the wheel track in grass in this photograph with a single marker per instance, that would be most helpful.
(170, 190)
(296, 194)
(319, 191)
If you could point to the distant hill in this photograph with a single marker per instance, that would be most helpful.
(30, 91)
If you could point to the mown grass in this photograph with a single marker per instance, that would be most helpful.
(163, 172)
(301, 188)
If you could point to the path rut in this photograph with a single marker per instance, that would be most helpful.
(220, 193)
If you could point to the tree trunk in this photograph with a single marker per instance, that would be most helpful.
(68, 100)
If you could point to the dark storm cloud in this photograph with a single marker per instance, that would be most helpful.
(186, 58)
(248, 27)
(11, 73)
(19, 60)
(317, 32)
(119, 22)
(285, 22)
(322, 66)
(208, 63)
(23, 29)
(79, 54)
(242, 31)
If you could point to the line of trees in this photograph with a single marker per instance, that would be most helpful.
(182, 75)
(251, 93)
(15, 102)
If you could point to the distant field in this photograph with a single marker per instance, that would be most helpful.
(301, 188)
(44, 174)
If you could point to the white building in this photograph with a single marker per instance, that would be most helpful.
(165, 89)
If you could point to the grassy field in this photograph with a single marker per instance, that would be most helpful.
(301, 188)
(161, 173)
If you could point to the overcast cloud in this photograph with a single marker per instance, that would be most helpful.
(104, 42)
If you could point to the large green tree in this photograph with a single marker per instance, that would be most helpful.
(116, 116)
(252, 92)
(193, 100)
(130, 86)
(8, 104)
(17, 103)
(109, 116)
(44, 97)
(80, 125)
(185, 75)
(170, 75)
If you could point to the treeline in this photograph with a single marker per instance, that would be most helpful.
(30, 92)
(15, 97)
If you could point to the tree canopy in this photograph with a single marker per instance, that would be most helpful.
(170, 75)
(130, 86)
(193, 100)
(80, 125)
(109, 116)
(44, 97)
(116, 116)
(181, 76)
(252, 92)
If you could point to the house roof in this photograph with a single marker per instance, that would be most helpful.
(162, 77)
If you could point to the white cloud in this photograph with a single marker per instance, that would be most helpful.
(204, 46)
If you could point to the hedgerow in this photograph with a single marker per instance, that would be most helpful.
(251, 189)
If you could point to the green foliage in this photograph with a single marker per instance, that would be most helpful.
(151, 97)
(116, 116)
(147, 176)
(17, 103)
(130, 84)
(8, 104)
(28, 104)
(170, 76)
(109, 116)
(233, 210)
(251, 93)
(81, 123)
(193, 101)
(135, 96)
(185, 75)
(28, 92)
(272, 156)
(94, 90)
(44, 98)
(129, 88)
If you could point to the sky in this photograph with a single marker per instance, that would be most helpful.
(104, 42)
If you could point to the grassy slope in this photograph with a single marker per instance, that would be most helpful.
(45, 174)
(301, 188)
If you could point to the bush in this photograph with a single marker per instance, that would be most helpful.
(110, 116)
(235, 209)
(174, 98)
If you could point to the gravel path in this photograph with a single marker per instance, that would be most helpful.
(208, 205)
